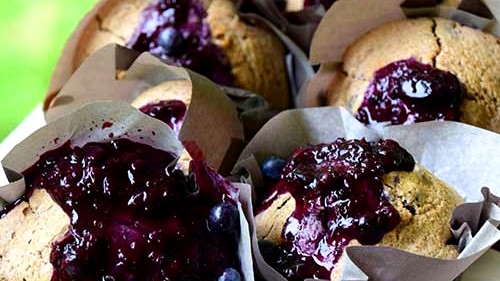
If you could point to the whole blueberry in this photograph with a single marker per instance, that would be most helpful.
(170, 39)
(272, 166)
(224, 218)
(230, 274)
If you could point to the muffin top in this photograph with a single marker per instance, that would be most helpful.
(208, 37)
(119, 211)
(448, 48)
(350, 193)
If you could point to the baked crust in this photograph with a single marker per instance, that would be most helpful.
(28, 232)
(423, 230)
(471, 55)
(256, 56)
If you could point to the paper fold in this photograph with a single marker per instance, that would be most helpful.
(211, 121)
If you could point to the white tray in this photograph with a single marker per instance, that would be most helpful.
(487, 268)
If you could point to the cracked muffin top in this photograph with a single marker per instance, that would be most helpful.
(352, 192)
(206, 36)
(421, 69)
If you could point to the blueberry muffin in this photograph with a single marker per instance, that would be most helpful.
(421, 69)
(351, 192)
(120, 211)
(168, 102)
(206, 36)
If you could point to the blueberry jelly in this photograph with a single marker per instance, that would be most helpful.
(339, 197)
(177, 32)
(134, 217)
(407, 91)
(171, 112)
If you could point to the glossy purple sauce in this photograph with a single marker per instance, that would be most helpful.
(407, 91)
(172, 112)
(326, 3)
(339, 197)
(177, 32)
(133, 217)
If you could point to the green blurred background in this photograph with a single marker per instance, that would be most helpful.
(33, 33)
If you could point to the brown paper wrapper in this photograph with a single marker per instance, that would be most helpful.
(211, 121)
(85, 125)
(347, 20)
(254, 111)
(454, 152)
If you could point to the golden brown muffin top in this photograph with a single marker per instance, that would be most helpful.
(424, 203)
(28, 232)
(471, 55)
(256, 56)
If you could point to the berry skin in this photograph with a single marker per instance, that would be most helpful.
(230, 274)
(224, 218)
(170, 40)
(272, 166)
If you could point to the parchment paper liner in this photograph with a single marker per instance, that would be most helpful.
(298, 67)
(85, 125)
(301, 32)
(300, 25)
(211, 121)
(464, 156)
(347, 20)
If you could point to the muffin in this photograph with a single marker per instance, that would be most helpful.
(352, 192)
(421, 69)
(119, 210)
(206, 36)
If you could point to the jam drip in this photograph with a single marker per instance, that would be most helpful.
(172, 112)
(407, 91)
(177, 32)
(135, 218)
(339, 197)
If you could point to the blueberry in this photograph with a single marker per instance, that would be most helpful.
(370, 229)
(230, 274)
(272, 166)
(224, 218)
(170, 39)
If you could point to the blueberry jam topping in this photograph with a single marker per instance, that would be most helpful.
(177, 32)
(172, 112)
(339, 197)
(271, 167)
(407, 91)
(133, 217)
